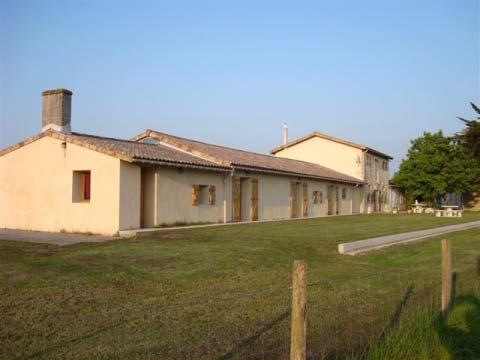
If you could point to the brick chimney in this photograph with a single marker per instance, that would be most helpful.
(57, 109)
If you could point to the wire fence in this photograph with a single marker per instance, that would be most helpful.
(345, 315)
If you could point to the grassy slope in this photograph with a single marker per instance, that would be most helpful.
(214, 292)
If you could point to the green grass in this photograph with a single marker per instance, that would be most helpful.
(423, 334)
(219, 292)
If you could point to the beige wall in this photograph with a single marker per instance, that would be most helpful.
(170, 196)
(129, 215)
(274, 197)
(336, 156)
(174, 196)
(36, 189)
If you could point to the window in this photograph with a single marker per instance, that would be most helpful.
(369, 160)
(317, 197)
(81, 190)
(344, 193)
(203, 194)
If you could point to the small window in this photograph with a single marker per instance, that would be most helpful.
(344, 193)
(203, 194)
(81, 190)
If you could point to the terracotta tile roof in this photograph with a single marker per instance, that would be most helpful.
(331, 138)
(126, 150)
(247, 160)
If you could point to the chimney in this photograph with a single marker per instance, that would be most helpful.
(285, 134)
(57, 109)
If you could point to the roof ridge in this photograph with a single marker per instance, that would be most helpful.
(107, 138)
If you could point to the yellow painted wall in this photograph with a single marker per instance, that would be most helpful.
(336, 156)
(36, 189)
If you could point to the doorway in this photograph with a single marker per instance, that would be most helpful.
(244, 199)
(147, 197)
(295, 200)
(331, 199)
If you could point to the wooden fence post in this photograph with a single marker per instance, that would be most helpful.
(298, 340)
(446, 276)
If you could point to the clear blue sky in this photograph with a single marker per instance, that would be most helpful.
(231, 72)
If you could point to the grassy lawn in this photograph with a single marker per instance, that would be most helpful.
(223, 292)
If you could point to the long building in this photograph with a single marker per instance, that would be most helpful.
(59, 180)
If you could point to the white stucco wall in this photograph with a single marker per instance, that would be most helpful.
(36, 189)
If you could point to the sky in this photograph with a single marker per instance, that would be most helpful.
(379, 73)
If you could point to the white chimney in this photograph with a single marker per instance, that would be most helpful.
(285, 134)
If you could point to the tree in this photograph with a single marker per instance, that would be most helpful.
(435, 166)
(470, 136)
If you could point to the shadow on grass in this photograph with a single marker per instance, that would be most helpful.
(462, 340)
(251, 339)
(460, 332)
(392, 324)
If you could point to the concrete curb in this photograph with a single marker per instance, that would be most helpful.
(361, 246)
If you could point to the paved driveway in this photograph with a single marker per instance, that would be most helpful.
(53, 238)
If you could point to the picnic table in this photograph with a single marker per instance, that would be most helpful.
(418, 208)
(449, 211)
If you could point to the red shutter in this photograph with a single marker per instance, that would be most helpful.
(86, 185)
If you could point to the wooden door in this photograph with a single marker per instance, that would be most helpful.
(143, 175)
(305, 200)
(254, 208)
(337, 200)
(293, 200)
(330, 199)
(236, 199)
